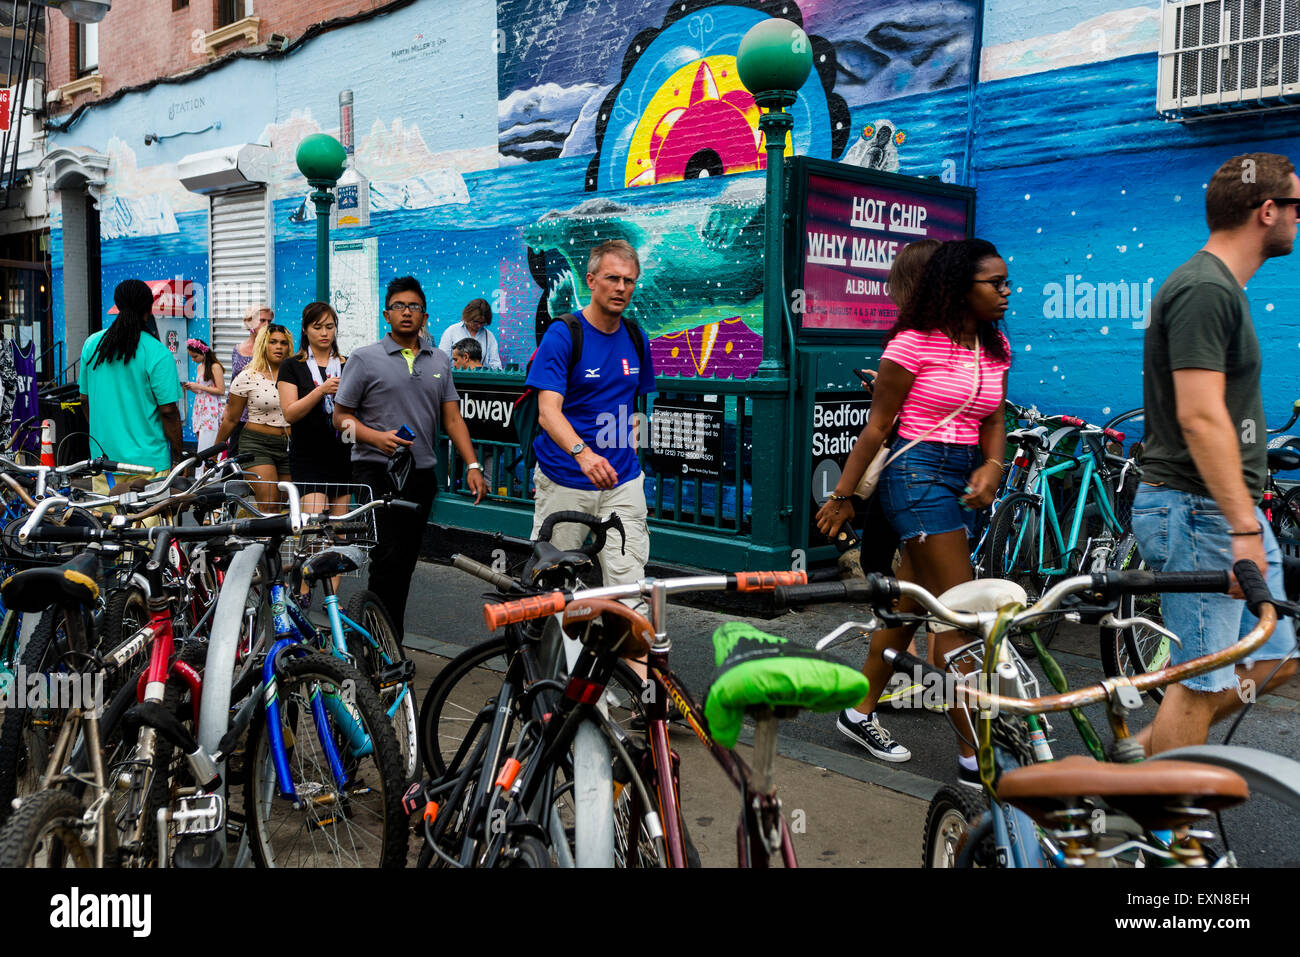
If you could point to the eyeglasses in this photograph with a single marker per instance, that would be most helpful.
(618, 281)
(1279, 200)
(1001, 285)
(412, 307)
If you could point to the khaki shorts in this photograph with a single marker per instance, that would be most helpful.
(618, 565)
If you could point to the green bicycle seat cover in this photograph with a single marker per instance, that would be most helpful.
(755, 668)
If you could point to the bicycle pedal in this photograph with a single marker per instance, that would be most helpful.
(398, 673)
(199, 814)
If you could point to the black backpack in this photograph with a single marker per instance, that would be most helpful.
(524, 416)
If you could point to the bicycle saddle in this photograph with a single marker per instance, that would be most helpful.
(1283, 459)
(980, 594)
(36, 589)
(621, 629)
(1158, 795)
(331, 562)
(755, 669)
(546, 558)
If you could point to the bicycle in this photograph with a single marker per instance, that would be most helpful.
(767, 684)
(959, 831)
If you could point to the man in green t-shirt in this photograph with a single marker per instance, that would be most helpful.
(130, 387)
(1206, 454)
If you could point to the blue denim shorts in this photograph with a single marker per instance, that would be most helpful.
(922, 488)
(1179, 531)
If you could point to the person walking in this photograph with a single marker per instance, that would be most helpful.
(209, 388)
(266, 431)
(129, 388)
(943, 375)
(255, 320)
(584, 465)
(320, 464)
(1206, 453)
(474, 321)
(401, 382)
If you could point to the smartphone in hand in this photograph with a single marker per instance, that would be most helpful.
(405, 433)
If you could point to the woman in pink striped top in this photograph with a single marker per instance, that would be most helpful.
(943, 375)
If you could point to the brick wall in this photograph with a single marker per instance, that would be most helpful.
(141, 40)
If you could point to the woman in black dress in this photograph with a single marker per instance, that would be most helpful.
(319, 461)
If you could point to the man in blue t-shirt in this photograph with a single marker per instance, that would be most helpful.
(586, 460)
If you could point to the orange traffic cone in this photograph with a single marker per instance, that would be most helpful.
(47, 442)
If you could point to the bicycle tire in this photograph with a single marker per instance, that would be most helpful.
(49, 821)
(1013, 555)
(1132, 651)
(126, 612)
(367, 610)
(1286, 516)
(368, 809)
(948, 821)
(26, 734)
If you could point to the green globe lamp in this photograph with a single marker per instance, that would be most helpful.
(320, 159)
(774, 61)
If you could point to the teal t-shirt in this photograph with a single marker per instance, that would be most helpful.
(124, 401)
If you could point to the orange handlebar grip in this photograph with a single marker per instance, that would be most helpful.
(766, 581)
(522, 609)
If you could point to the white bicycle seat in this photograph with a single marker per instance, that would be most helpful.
(981, 594)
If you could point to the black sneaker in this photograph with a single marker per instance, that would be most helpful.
(873, 737)
(969, 777)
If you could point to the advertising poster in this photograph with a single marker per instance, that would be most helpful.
(851, 233)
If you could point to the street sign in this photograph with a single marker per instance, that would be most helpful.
(686, 437)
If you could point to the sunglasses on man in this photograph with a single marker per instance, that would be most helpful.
(1279, 200)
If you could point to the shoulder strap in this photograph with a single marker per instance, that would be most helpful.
(575, 337)
(634, 331)
(975, 388)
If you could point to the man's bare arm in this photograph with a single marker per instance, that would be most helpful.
(170, 417)
(550, 415)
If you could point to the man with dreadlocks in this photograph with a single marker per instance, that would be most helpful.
(129, 385)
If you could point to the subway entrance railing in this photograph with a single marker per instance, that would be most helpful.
(697, 451)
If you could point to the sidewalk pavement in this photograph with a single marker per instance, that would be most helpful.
(836, 819)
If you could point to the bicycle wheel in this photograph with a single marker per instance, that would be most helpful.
(948, 822)
(357, 824)
(28, 733)
(382, 650)
(126, 613)
(1013, 554)
(469, 680)
(1286, 516)
(45, 832)
(1134, 650)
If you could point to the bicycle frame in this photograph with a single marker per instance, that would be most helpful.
(1091, 487)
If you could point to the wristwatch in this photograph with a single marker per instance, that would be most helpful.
(472, 466)
(577, 449)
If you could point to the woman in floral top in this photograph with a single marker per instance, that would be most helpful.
(209, 389)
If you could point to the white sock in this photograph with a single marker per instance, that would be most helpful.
(969, 763)
(856, 716)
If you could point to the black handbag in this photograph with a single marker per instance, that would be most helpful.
(400, 466)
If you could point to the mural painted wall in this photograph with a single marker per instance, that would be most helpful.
(503, 139)
(1094, 204)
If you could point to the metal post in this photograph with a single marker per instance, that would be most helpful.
(776, 124)
(322, 198)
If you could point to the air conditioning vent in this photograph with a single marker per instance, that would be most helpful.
(1221, 56)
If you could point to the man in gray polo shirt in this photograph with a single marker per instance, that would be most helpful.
(402, 380)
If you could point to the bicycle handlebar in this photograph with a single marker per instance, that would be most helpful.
(501, 582)
(539, 606)
(598, 528)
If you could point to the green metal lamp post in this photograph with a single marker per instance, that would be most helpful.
(775, 59)
(320, 159)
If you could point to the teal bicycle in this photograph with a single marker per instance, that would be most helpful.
(1066, 521)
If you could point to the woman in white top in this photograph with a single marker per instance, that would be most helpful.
(474, 321)
(266, 432)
